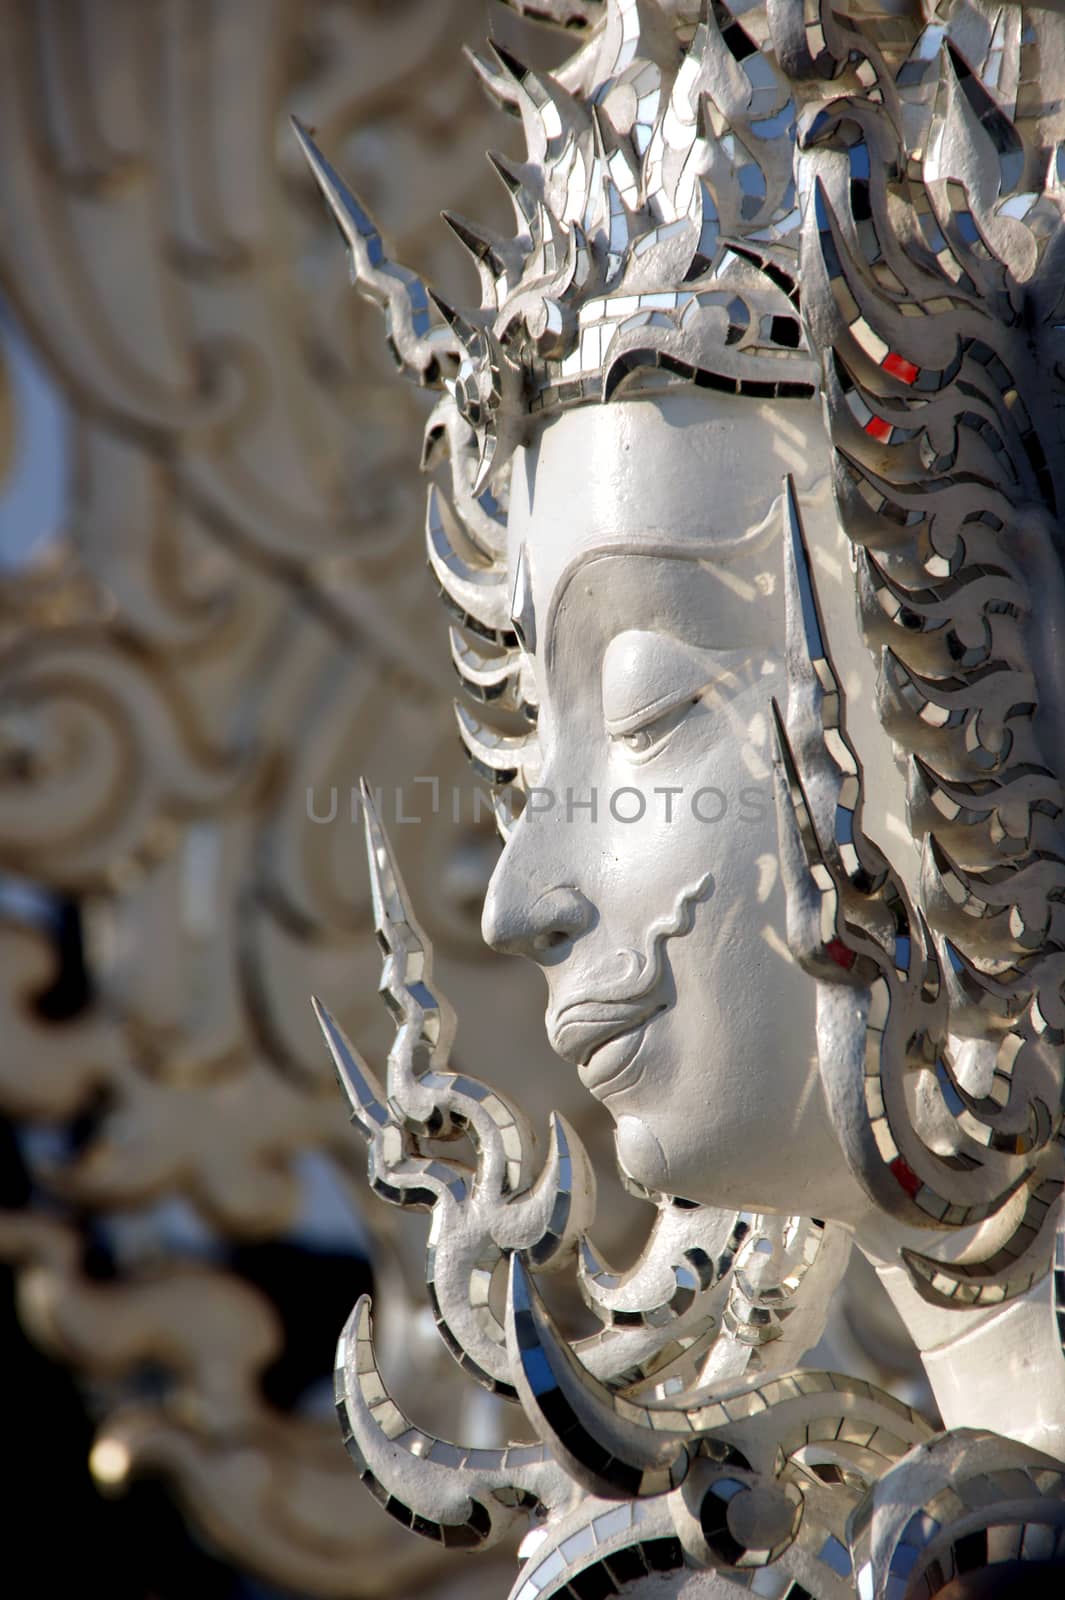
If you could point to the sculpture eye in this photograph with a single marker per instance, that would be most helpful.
(641, 740)
(653, 735)
(650, 682)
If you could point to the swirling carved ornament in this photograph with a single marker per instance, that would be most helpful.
(194, 664)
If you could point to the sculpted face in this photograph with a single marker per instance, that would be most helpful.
(643, 875)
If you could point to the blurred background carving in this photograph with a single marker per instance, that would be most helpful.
(215, 616)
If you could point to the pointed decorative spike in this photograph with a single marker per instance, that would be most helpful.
(522, 614)
(577, 1416)
(499, 88)
(810, 895)
(482, 245)
(798, 805)
(464, 331)
(548, 112)
(489, 254)
(508, 61)
(391, 908)
(798, 557)
(364, 1094)
(782, 745)
(599, 131)
(424, 1017)
(542, 88)
(503, 809)
(419, 348)
(997, 128)
(485, 466)
(354, 223)
(509, 171)
(516, 180)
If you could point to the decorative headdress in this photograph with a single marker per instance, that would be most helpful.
(658, 242)
(934, 231)
(658, 157)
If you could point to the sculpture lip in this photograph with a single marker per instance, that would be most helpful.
(580, 1030)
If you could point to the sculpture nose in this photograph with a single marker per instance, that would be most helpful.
(517, 920)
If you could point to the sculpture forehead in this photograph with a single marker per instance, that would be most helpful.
(687, 468)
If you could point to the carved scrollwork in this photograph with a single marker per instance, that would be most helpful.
(196, 657)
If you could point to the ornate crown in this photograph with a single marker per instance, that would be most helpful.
(657, 232)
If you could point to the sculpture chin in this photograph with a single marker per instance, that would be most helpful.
(640, 1156)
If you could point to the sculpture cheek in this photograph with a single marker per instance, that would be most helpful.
(640, 1154)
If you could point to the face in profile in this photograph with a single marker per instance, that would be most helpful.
(643, 875)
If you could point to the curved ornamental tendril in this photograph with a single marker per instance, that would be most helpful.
(932, 288)
(659, 1319)
(861, 935)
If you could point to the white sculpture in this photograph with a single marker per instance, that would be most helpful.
(796, 902)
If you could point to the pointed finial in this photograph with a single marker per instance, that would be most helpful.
(516, 179)
(421, 350)
(364, 1094)
(798, 556)
(354, 223)
(487, 250)
(522, 614)
(463, 330)
(391, 909)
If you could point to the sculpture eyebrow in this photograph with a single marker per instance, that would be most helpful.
(664, 550)
(649, 712)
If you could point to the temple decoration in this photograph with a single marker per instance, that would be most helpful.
(726, 211)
